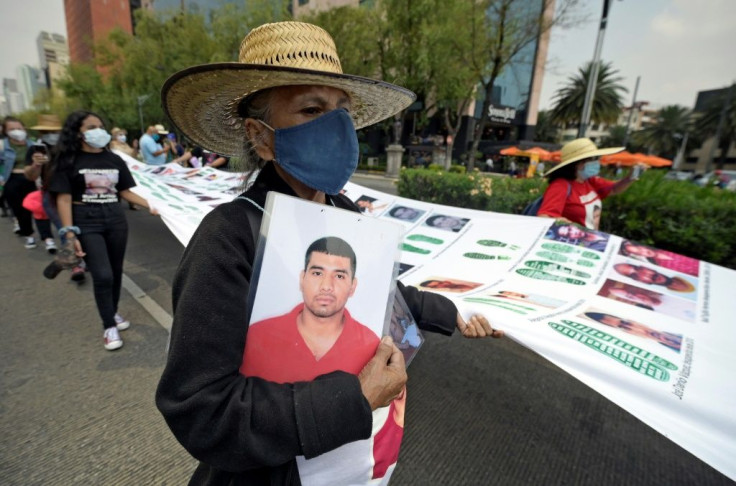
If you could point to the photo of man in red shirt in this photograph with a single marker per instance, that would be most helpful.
(318, 335)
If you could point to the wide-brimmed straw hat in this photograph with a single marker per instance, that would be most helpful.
(579, 149)
(48, 122)
(202, 101)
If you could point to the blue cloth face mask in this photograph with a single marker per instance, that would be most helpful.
(322, 153)
(590, 169)
(156, 137)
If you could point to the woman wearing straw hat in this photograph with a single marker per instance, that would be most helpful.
(575, 192)
(247, 430)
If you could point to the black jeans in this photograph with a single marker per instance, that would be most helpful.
(104, 235)
(17, 187)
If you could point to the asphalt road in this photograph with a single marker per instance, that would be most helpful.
(479, 412)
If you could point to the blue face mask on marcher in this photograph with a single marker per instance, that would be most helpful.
(322, 153)
(156, 137)
(590, 169)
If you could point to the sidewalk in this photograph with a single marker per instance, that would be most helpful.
(71, 412)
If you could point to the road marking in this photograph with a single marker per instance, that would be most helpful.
(156, 311)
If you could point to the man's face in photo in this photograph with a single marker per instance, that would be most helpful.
(405, 213)
(641, 274)
(327, 284)
(572, 232)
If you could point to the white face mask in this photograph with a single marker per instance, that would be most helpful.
(97, 137)
(122, 138)
(18, 134)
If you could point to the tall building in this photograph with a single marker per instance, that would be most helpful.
(198, 6)
(53, 57)
(14, 99)
(28, 84)
(89, 21)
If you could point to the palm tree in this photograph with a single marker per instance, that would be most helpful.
(665, 136)
(707, 123)
(607, 102)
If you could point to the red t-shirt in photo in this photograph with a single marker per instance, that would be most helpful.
(584, 204)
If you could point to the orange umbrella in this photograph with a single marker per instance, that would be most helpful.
(655, 161)
(517, 152)
(623, 158)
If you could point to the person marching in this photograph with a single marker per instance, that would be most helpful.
(575, 192)
(88, 181)
(289, 103)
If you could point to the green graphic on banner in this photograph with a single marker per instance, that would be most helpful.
(620, 351)
(496, 243)
(425, 239)
(556, 257)
(483, 256)
(562, 248)
(414, 249)
(540, 275)
(497, 303)
(553, 267)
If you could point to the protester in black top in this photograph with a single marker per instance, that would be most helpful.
(88, 182)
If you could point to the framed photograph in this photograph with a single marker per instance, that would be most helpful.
(322, 290)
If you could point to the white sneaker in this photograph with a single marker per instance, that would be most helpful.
(16, 227)
(30, 242)
(50, 245)
(112, 339)
(121, 322)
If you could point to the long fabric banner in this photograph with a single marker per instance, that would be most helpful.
(650, 330)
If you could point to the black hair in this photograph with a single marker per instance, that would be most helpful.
(554, 233)
(568, 172)
(430, 221)
(393, 210)
(332, 245)
(597, 316)
(70, 142)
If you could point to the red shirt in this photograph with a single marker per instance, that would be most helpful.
(583, 205)
(275, 351)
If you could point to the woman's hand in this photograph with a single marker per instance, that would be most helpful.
(77, 247)
(477, 327)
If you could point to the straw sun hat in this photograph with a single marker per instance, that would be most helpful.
(202, 101)
(48, 122)
(579, 149)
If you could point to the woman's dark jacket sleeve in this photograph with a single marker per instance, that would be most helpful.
(433, 312)
(227, 421)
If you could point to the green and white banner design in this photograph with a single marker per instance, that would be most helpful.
(652, 331)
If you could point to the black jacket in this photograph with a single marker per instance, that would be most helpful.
(248, 430)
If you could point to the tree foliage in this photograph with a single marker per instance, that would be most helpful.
(608, 100)
(130, 68)
(546, 130)
(706, 123)
(665, 135)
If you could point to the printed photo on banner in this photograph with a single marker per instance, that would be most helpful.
(330, 270)
(446, 284)
(654, 278)
(649, 299)
(370, 205)
(661, 258)
(404, 214)
(633, 328)
(445, 222)
(578, 236)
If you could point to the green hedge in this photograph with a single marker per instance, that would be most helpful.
(673, 215)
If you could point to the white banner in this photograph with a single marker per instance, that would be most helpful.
(650, 330)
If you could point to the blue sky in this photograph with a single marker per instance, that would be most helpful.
(678, 47)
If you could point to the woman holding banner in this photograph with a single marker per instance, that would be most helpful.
(575, 192)
(288, 102)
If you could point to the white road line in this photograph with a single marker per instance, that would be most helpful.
(156, 311)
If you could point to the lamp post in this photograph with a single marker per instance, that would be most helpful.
(593, 79)
(142, 99)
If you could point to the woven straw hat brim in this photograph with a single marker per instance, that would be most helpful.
(54, 128)
(586, 155)
(202, 101)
